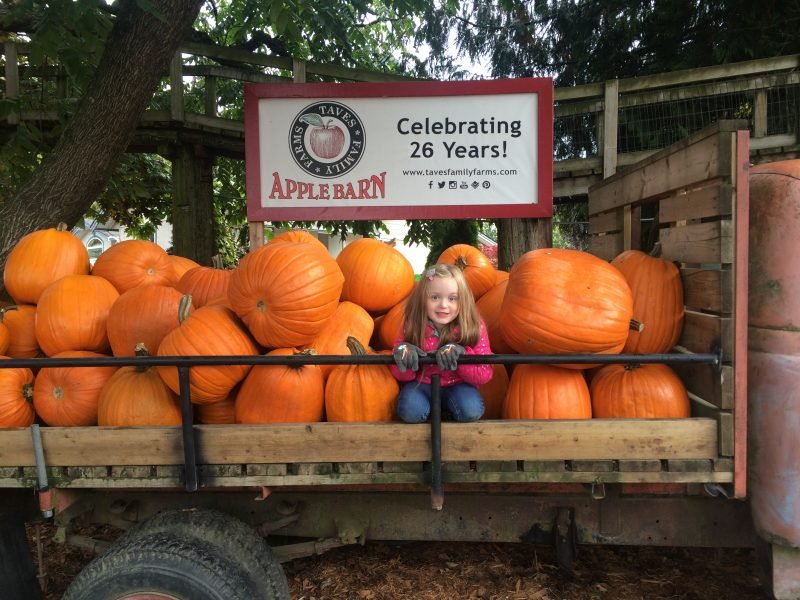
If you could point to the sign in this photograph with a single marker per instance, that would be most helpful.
(410, 150)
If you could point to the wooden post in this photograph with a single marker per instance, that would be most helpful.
(299, 70)
(12, 78)
(610, 123)
(760, 113)
(176, 87)
(211, 96)
(192, 208)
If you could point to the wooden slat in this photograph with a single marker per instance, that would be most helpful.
(715, 387)
(701, 157)
(606, 246)
(709, 201)
(701, 333)
(709, 290)
(606, 222)
(597, 439)
(698, 243)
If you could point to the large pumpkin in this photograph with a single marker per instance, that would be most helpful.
(217, 413)
(135, 262)
(21, 323)
(647, 391)
(565, 301)
(68, 396)
(657, 301)
(208, 331)
(281, 393)
(300, 236)
(477, 268)
(285, 293)
(136, 396)
(359, 393)
(376, 275)
(547, 392)
(72, 314)
(391, 325)
(144, 314)
(494, 392)
(204, 284)
(181, 264)
(39, 259)
(16, 397)
(490, 307)
(348, 320)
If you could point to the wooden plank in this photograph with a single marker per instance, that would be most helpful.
(607, 222)
(606, 246)
(650, 466)
(699, 243)
(709, 290)
(596, 466)
(683, 165)
(699, 203)
(702, 333)
(594, 439)
(689, 466)
(715, 387)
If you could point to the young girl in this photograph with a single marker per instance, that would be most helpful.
(441, 317)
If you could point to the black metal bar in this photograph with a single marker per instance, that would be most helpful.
(187, 429)
(374, 359)
(437, 490)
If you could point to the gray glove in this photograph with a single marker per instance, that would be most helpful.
(447, 356)
(406, 357)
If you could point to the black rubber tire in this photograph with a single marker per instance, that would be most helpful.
(177, 567)
(232, 537)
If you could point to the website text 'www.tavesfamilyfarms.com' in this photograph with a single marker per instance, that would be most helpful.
(458, 178)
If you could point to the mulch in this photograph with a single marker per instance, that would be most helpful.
(490, 571)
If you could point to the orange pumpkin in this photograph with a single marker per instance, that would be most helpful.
(360, 393)
(16, 397)
(217, 413)
(143, 314)
(72, 314)
(565, 301)
(285, 293)
(5, 338)
(348, 320)
(181, 264)
(376, 275)
(21, 323)
(136, 396)
(478, 269)
(204, 284)
(135, 262)
(208, 331)
(490, 308)
(39, 259)
(391, 325)
(494, 392)
(282, 393)
(657, 301)
(299, 236)
(68, 396)
(547, 392)
(649, 391)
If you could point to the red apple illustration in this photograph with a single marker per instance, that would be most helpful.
(327, 140)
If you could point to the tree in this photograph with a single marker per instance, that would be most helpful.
(135, 56)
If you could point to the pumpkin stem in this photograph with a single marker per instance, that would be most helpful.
(656, 251)
(216, 261)
(636, 326)
(141, 350)
(27, 392)
(61, 227)
(632, 366)
(184, 306)
(4, 309)
(461, 263)
(304, 352)
(356, 348)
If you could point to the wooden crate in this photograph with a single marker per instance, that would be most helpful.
(700, 187)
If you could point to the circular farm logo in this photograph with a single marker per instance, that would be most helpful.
(326, 139)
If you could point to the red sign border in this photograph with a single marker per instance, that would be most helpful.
(542, 86)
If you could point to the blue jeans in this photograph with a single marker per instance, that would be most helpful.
(462, 400)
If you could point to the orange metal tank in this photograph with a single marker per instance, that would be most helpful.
(774, 352)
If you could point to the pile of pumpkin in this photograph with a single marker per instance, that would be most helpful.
(290, 297)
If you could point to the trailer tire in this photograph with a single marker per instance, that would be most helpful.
(165, 564)
(232, 537)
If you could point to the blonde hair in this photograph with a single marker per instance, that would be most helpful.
(467, 322)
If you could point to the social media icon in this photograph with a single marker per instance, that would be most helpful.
(486, 185)
(442, 184)
(475, 185)
(463, 185)
(452, 185)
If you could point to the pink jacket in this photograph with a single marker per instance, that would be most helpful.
(473, 374)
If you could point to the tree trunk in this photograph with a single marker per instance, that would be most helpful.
(136, 56)
(515, 237)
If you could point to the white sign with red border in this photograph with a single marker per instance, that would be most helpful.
(416, 150)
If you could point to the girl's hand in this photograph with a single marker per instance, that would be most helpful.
(447, 356)
(406, 357)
